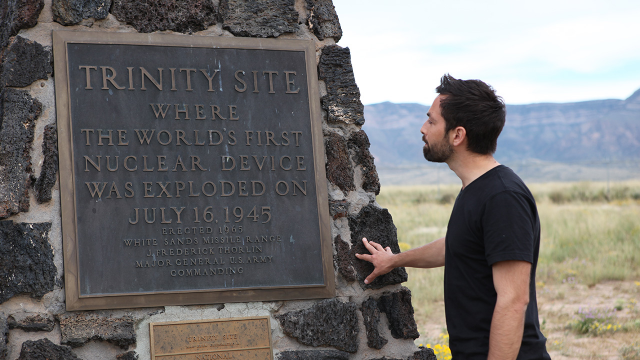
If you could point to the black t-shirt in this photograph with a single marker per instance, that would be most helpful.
(494, 219)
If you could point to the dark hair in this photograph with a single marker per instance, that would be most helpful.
(474, 105)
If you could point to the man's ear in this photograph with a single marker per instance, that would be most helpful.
(457, 136)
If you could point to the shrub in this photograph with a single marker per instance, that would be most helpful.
(595, 321)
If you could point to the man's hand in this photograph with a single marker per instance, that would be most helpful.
(381, 258)
(426, 256)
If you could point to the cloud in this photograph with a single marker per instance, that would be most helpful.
(547, 51)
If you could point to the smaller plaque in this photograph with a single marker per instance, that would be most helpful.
(238, 338)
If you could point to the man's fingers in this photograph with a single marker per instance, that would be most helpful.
(372, 245)
(365, 257)
(377, 246)
(371, 277)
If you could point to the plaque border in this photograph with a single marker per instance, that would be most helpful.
(74, 301)
(165, 323)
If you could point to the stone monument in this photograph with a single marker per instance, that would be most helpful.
(188, 180)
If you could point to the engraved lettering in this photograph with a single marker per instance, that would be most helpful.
(147, 189)
(180, 136)
(290, 83)
(144, 137)
(185, 111)
(146, 217)
(232, 113)
(225, 163)
(144, 161)
(210, 78)
(134, 220)
(271, 91)
(164, 221)
(96, 189)
(179, 162)
(121, 138)
(188, 71)
(144, 73)
(88, 161)
(101, 136)
(160, 109)
(211, 132)
(200, 112)
(87, 70)
(110, 79)
(244, 84)
(86, 132)
(108, 165)
(162, 166)
(253, 187)
(296, 185)
(300, 162)
(128, 186)
(286, 188)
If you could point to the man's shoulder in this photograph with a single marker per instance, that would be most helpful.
(498, 181)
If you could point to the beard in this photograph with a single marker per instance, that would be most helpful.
(437, 152)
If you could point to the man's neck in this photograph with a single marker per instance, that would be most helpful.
(469, 166)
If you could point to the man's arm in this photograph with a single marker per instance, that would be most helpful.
(511, 281)
(426, 256)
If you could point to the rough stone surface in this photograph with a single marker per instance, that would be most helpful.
(338, 208)
(327, 323)
(371, 316)
(423, 354)
(185, 16)
(359, 144)
(16, 15)
(27, 260)
(323, 19)
(265, 18)
(313, 355)
(342, 101)
(339, 169)
(4, 332)
(343, 259)
(31, 322)
(24, 62)
(44, 349)
(80, 327)
(18, 112)
(49, 168)
(376, 225)
(129, 355)
(397, 306)
(71, 12)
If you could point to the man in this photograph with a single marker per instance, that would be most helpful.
(491, 248)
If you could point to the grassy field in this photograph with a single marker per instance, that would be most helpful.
(590, 239)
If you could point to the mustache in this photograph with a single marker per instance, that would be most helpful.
(424, 139)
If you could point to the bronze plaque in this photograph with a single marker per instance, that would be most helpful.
(240, 338)
(191, 170)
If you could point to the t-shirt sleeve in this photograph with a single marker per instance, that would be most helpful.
(508, 226)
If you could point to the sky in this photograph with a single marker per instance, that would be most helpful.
(529, 51)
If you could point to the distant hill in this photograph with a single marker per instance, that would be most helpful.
(589, 133)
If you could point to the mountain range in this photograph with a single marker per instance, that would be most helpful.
(589, 133)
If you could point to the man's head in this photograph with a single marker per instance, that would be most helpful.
(437, 145)
(473, 105)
